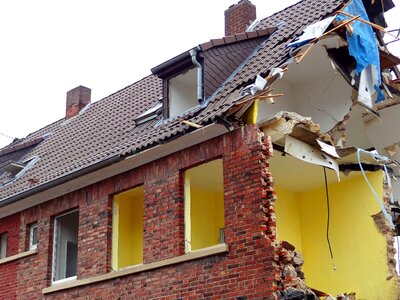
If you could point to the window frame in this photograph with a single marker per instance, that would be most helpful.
(32, 228)
(55, 263)
(3, 245)
(188, 208)
(116, 219)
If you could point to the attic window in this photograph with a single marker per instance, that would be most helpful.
(182, 83)
(149, 114)
(12, 167)
(182, 92)
(11, 170)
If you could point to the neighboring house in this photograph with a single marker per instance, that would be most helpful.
(217, 176)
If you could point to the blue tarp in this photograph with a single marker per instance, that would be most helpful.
(362, 43)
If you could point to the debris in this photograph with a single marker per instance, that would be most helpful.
(362, 43)
(258, 85)
(287, 246)
(191, 124)
(310, 154)
(328, 149)
(312, 32)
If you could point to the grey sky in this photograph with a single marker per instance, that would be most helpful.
(49, 47)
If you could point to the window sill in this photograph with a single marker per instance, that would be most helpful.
(213, 250)
(17, 256)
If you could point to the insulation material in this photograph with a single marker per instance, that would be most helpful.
(310, 154)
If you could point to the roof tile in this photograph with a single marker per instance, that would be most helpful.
(107, 129)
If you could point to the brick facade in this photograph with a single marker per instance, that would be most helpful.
(247, 270)
(8, 271)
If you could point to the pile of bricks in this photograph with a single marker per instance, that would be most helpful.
(291, 284)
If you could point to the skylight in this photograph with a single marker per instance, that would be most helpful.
(149, 114)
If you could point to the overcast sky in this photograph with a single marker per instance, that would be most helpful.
(49, 47)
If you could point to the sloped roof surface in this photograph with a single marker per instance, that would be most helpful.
(106, 129)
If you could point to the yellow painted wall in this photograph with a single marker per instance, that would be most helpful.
(358, 248)
(128, 228)
(288, 217)
(204, 205)
(207, 215)
(250, 117)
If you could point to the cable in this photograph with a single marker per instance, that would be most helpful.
(375, 156)
(7, 136)
(328, 221)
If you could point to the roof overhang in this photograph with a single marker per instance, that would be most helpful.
(174, 66)
(106, 169)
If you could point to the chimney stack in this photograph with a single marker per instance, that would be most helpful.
(239, 16)
(77, 99)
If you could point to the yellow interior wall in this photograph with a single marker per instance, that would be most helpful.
(128, 228)
(288, 217)
(204, 202)
(250, 117)
(359, 249)
(207, 215)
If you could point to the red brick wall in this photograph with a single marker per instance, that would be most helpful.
(246, 271)
(8, 271)
(239, 16)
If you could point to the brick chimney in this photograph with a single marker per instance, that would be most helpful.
(239, 16)
(77, 99)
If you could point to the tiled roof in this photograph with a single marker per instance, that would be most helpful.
(106, 129)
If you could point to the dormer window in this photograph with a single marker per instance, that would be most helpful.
(192, 77)
(182, 92)
(182, 83)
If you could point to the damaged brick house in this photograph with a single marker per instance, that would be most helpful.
(218, 175)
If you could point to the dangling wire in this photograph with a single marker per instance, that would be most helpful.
(7, 136)
(328, 221)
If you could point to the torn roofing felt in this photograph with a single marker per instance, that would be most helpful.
(106, 130)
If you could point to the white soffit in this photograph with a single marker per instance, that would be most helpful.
(316, 89)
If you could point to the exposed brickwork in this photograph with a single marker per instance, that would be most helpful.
(8, 271)
(246, 271)
(239, 16)
(385, 229)
(77, 99)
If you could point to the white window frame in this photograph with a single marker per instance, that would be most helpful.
(3, 245)
(32, 228)
(54, 259)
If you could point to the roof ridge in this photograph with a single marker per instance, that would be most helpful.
(20, 146)
(239, 37)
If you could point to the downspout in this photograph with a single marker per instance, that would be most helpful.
(193, 54)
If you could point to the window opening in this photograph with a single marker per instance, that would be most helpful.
(65, 249)
(204, 206)
(33, 236)
(182, 92)
(127, 239)
(3, 245)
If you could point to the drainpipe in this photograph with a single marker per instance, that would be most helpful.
(193, 54)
